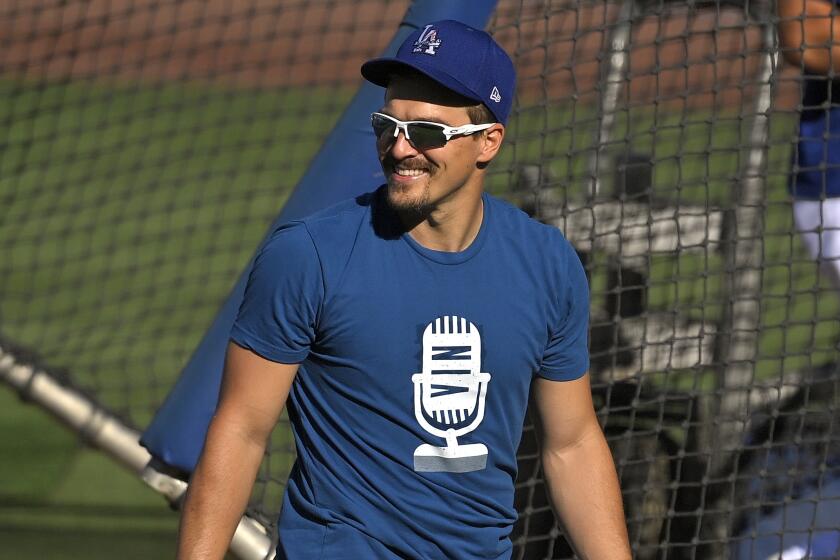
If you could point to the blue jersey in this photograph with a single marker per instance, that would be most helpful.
(817, 161)
(416, 367)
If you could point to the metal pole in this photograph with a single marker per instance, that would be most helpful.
(614, 77)
(737, 340)
(744, 264)
(105, 431)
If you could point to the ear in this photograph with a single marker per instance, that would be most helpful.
(491, 142)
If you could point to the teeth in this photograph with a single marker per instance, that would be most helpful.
(409, 172)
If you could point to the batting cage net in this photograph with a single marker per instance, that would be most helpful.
(147, 145)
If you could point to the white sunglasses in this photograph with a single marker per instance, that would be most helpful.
(423, 135)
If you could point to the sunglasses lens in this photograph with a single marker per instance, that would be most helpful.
(382, 126)
(425, 136)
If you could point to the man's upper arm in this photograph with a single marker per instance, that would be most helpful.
(253, 393)
(566, 414)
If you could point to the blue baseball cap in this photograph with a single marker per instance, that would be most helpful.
(465, 60)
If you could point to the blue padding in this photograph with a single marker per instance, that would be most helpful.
(345, 166)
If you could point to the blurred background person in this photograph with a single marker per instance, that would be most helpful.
(809, 36)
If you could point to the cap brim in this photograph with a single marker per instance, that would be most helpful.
(380, 70)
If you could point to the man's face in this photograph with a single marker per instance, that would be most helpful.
(420, 180)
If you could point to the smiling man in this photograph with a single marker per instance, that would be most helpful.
(406, 331)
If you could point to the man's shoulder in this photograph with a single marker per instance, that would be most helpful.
(325, 238)
(320, 231)
(345, 214)
(515, 224)
(535, 245)
(331, 223)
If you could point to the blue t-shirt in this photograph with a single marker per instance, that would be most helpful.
(817, 159)
(416, 367)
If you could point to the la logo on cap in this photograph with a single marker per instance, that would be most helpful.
(427, 42)
(495, 95)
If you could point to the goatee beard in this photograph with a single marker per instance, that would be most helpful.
(413, 209)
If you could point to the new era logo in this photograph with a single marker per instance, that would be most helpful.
(495, 95)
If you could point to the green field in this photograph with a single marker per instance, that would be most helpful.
(61, 500)
(128, 213)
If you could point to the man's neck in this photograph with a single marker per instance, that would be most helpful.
(450, 227)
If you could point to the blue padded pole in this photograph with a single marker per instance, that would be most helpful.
(345, 166)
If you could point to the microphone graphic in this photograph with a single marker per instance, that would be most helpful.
(449, 395)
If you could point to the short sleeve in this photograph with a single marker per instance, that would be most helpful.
(566, 356)
(278, 314)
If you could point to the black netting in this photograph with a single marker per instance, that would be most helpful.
(148, 144)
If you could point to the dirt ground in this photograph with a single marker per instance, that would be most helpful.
(706, 57)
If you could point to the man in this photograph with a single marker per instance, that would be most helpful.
(809, 34)
(408, 328)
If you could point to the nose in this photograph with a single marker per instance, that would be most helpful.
(401, 148)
